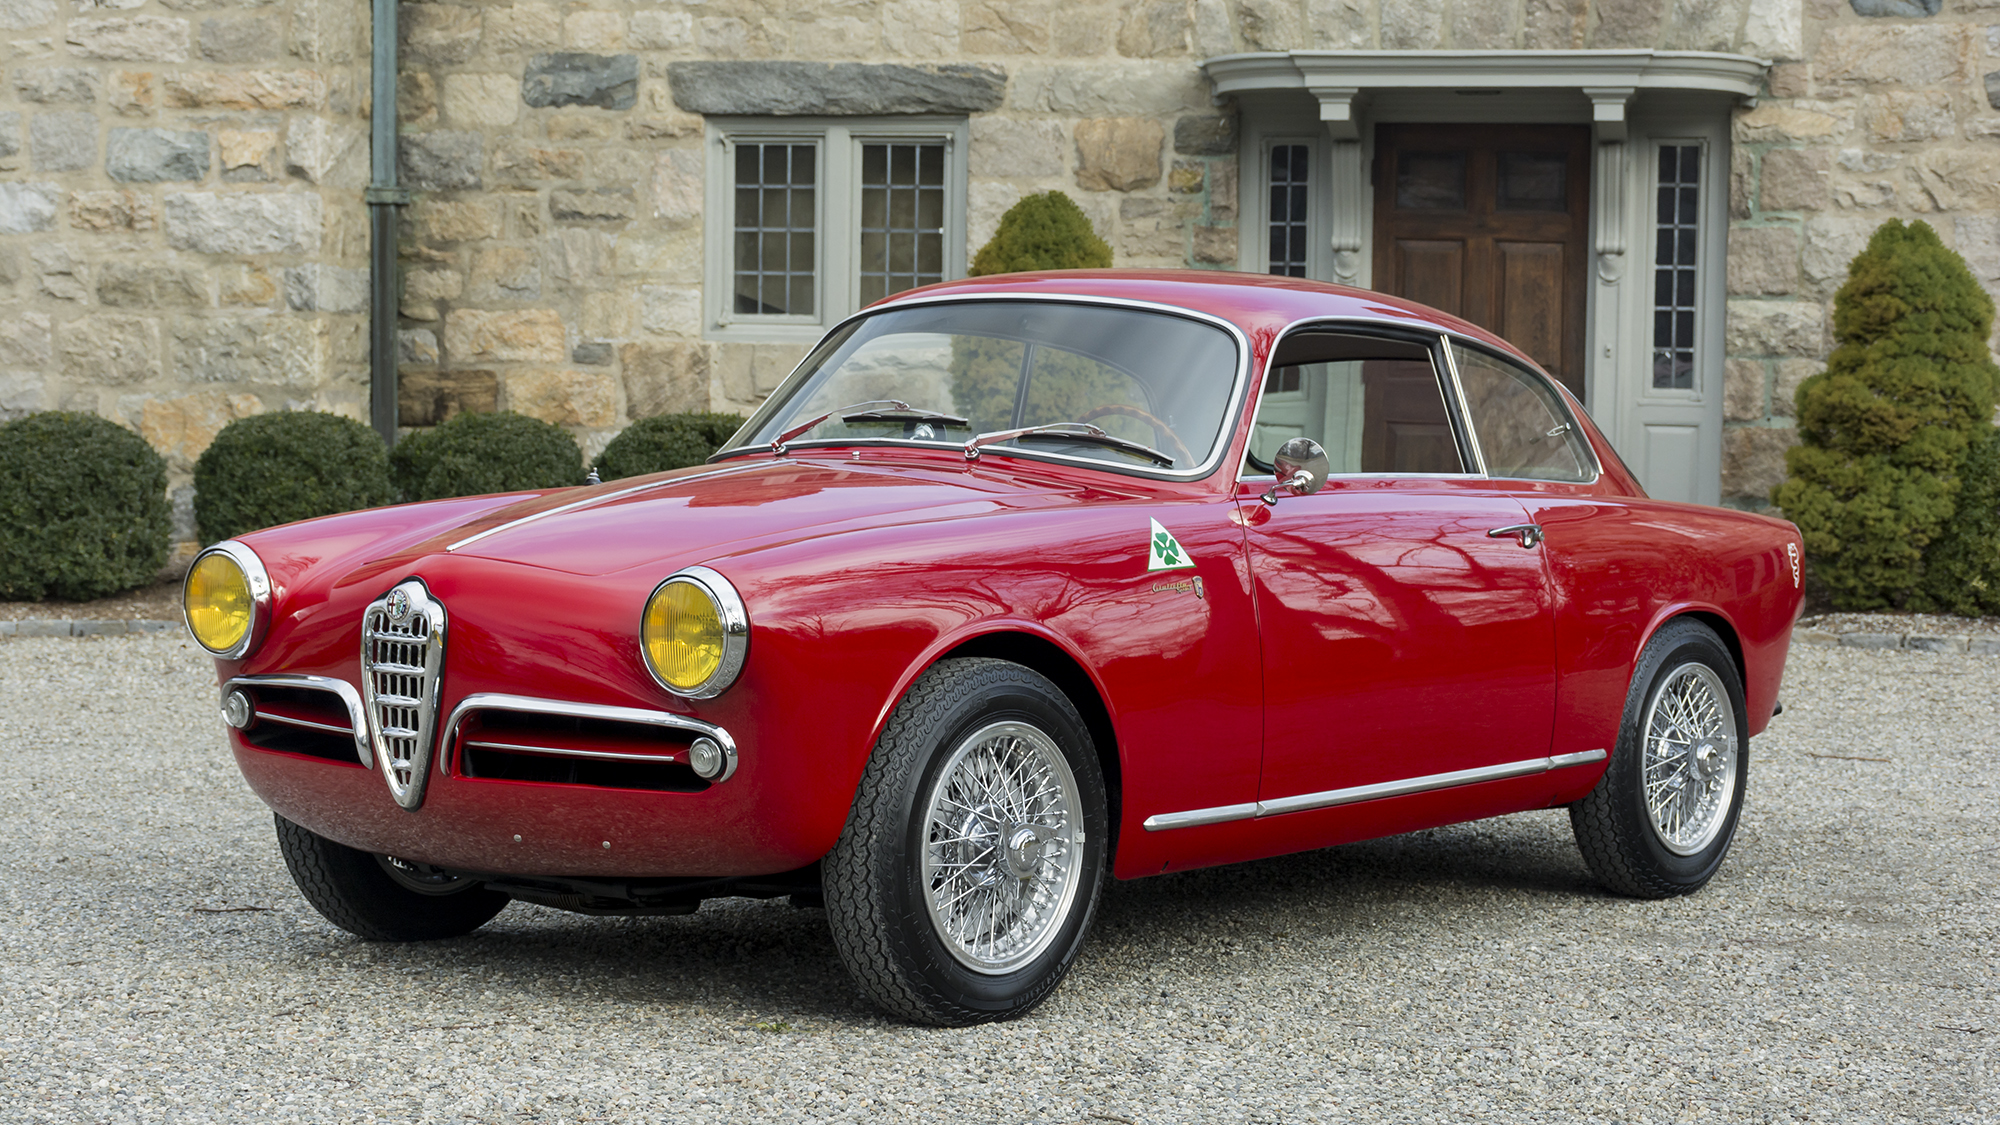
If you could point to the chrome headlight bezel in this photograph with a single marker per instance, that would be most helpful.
(256, 578)
(735, 631)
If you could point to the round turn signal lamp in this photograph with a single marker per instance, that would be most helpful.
(695, 633)
(226, 598)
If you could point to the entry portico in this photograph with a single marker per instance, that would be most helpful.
(1453, 177)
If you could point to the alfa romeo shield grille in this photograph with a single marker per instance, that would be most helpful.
(402, 654)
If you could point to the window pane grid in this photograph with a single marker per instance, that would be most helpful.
(1287, 220)
(902, 217)
(776, 243)
(1677, 231)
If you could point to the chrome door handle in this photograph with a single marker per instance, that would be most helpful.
(1528, 533)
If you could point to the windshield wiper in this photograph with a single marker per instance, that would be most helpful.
(870, 411)
(1066, 431)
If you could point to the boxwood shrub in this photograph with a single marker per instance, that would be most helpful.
(83, 508)
(276, 468)
(666, 441)
(473, 454)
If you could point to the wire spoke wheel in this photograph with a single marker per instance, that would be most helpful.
(1002, 847)
(1690, 758)
(1665, 809)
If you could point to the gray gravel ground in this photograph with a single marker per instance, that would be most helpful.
(156, 964)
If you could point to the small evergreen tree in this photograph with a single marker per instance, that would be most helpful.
(1042, 232)
(1962, 568)
(1905, 398)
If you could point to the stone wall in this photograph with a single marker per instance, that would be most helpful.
(554, 258)
(182, 239)
(1891, 109)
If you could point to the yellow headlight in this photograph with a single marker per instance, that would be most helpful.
(694, 633)
(219, 602)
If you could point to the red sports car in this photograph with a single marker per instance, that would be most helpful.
(1017, 583)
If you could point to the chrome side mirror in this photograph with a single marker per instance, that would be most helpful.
(1302, 468)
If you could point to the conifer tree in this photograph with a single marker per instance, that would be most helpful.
(1886, 429)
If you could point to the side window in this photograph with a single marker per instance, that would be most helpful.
(1376, 406)
(1523, 429)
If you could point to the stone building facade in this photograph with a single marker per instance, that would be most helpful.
(183, 237)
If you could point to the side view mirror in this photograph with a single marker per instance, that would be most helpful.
(1302, 468)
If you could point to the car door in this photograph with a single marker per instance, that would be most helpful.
(1401, 639)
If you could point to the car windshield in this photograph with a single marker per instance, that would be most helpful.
(1125, 387)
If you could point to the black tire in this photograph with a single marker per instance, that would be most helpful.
(1621, 839)
(878, 898)
(364, 895)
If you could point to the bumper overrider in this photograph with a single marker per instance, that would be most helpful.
(495, 783)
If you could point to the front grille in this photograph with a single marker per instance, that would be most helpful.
(402, 654)
(503, 745)
(294, 719)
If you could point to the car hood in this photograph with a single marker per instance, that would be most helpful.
(714, 511)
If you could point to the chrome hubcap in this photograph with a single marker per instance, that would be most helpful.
(1690, 759)
(1003, 847)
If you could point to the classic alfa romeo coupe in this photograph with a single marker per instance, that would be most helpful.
(1014, 585)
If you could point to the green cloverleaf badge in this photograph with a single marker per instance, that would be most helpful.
(1164, 552)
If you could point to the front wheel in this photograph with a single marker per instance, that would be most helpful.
(382, 898)
(969, 870)
(1663, 816)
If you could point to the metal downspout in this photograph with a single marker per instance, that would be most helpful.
(383, 197)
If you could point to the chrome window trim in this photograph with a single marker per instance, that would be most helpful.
(1331, 798)
(346, 692)
(1224, 438)
(735, 631)
(601, 498)
(533, 705)
(1463, 407)
(1562, 396)
(259, 581)
(1430, 336)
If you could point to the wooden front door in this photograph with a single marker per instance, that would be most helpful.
(1490, 223)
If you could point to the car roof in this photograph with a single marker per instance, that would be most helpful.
(1262, 305)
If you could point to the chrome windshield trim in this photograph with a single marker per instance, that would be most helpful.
(587, 501)
(259, 582)
(1378, 791)
(347, 693)
(1225, 436)
(500, 701)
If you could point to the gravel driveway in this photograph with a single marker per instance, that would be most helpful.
(156, 963)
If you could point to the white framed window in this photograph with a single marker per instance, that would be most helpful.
(1291, 168)
(810, 219)
(1678, 254)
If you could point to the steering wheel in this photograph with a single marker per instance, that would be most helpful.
(1173, 441)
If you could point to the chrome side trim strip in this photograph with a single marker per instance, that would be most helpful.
(500, 701)
(350, 697)
(1376, 792)
(587, 501)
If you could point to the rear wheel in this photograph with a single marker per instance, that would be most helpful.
(968, 874)
(1663, 816)
(382, 898)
